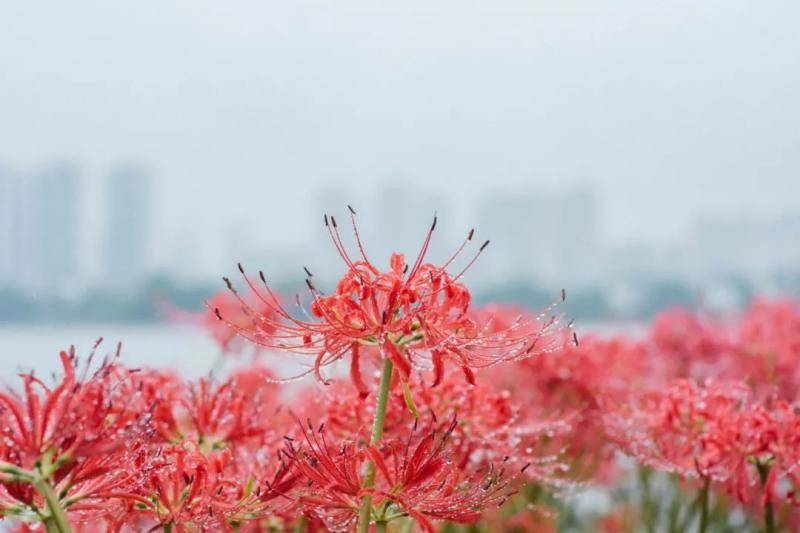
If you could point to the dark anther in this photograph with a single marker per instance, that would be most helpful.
(321, 427)
(575, 338)
(471, 233)
(563, 295)
(261, 275)
(216, 312)
(350, 207)
(453, 425)
(405, 268)
(228, 283)
(241, 268)
(524, 468)
(326, 220)
(333, 221)
(308, 272)
(310, 285)
(433, 226)
(484, 245)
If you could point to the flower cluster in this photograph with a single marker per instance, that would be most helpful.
(132, 449)
(445, 411)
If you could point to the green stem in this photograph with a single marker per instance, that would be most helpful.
(769, 514)
(380, 527)
(704, 507)
(769, 518)
(300, 526)
(49, 525)
(646, 501)
(377, 433)
(168, 527)
(59, 519)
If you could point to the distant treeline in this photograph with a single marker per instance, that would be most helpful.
(146, 304)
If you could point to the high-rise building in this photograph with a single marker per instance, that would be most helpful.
(9, 187)
(127, 235)
(756, 245)
(50, 234)
(541, 237)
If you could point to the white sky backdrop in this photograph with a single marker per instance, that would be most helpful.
(247, 108)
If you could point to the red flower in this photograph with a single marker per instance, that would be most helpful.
(421, 481)
(227, 304)
(333, 478)
(74, 439)
(416, 478)
(192, 490)
(414, 314)
(79, 417)
(768, 348)
(494, 425)
(713, 432)
(212, 415)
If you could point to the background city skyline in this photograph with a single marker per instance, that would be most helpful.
(69, 236)
(597, 145)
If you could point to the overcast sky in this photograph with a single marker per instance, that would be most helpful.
(246, 108)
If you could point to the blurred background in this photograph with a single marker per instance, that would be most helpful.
(638, 155)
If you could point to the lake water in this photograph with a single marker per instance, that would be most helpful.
(180, 347)
(26, 347)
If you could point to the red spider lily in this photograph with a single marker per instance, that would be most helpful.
(256, 380)
(89, 490)
(768, 348)
(491, 427)
(213, 415)
(567, 388)
(79, 417)
(191, 490)
(672, 429)
(713, 432)
(414, 314)
(228, 304)
(334, 481)
(416, 478)
(760, 347)
(767, 436)
(687, 342)
(73, 439)
(424, 484)
(226, 337)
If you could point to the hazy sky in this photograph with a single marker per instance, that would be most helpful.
(245, 108)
